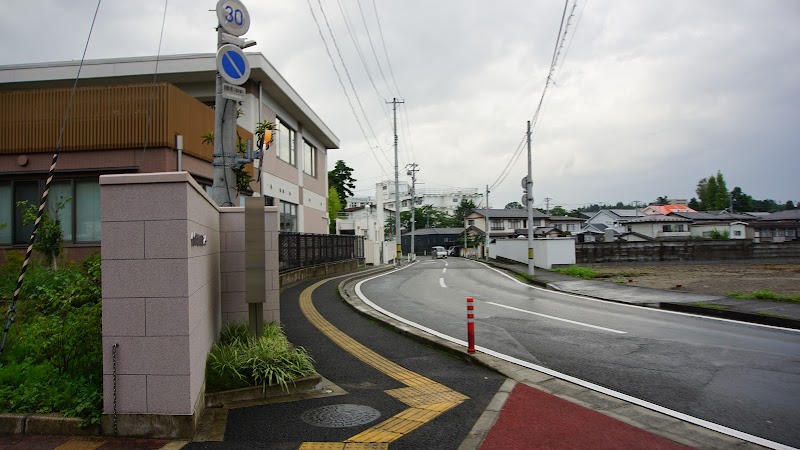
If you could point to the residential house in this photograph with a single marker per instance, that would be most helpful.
(705, 224)
(505, 222)
(781, 226)
(660, 227)
(567, 224)
(122, 122)
(611, 218)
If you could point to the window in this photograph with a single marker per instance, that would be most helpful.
(471, 222)
(455, 200)
(286, 150)
(514, 223)
(77, 203)
(790, 232)
(570, 227)
(672, 228)
(496, 224)
(737, 232)
(309, 159)
(537, 222)
(288, 216)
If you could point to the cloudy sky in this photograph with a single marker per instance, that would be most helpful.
(647, 98)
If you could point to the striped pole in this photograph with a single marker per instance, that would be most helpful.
(470, 325)
(11, 314)
(12, 310)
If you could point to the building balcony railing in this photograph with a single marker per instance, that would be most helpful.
(105, 117)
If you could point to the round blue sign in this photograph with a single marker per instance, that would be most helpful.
(232, 64)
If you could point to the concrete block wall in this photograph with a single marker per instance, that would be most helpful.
(166, 296)
(232, 256)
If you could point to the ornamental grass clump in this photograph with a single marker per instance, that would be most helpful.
(241, 360)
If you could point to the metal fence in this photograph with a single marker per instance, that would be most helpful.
(298, 250)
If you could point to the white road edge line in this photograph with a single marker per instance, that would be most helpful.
(444, 270)
(558, 318)
(441, 282)
(665, 311)
(625, 397)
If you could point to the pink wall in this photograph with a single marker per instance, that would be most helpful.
(164, 298)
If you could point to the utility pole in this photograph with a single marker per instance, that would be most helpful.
(547, 204)
(486, 216)
(529, 189)
(399, 253)
(413, 172)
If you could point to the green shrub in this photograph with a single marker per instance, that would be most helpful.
(53, 359)
(577, 271)
(240, 360)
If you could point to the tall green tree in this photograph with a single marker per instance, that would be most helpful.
(463, 208)
(341, 179)
(741, 201)
(713, 192)
(514, 205)
(334, 208)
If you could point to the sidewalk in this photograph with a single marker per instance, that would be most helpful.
(765, 312)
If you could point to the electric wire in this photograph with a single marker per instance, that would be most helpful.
(577, 24)
(347, 73)
(344, 90)
(560, 39)
(383, 43)
(357, 45)
(372, 46)
(11, 314)
(155, 75)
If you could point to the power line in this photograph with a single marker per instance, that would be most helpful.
(383, 43)
(372, 46)
(361, 57)
(560, 39)
(344, 90)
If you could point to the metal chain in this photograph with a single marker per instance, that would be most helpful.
(114, 383)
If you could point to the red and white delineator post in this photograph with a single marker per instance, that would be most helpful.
(470, 325)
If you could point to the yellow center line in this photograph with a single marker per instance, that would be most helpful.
(427, 399)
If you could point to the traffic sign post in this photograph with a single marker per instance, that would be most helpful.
(233, 70)
(232, 64)
(233, 17)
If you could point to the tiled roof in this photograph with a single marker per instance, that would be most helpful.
(508, 213)
(657, 218)
(789, 214)
(666, 209)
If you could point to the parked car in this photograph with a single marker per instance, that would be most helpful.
(438, 252)
(454, 250)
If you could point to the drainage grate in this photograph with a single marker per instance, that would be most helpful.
(340, 416)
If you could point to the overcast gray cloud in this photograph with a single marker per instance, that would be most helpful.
(651, 96)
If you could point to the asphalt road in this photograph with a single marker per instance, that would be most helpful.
(738, 375)
(282, 425)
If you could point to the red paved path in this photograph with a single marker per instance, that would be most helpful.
(532, 419)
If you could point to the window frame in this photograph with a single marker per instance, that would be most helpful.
(312, 158)
(291, 157)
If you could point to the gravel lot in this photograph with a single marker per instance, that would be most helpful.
(718, 278)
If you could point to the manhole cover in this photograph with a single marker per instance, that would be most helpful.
(340, 416)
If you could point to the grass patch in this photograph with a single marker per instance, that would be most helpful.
(709, 305)
(776, 315)
(766, 294)
(577, 271)
(240, 360)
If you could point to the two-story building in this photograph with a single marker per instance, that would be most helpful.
(122, 122)
(506, 222)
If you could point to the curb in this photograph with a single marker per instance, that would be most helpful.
(222, 398)
(783, 322)
(50, 424)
